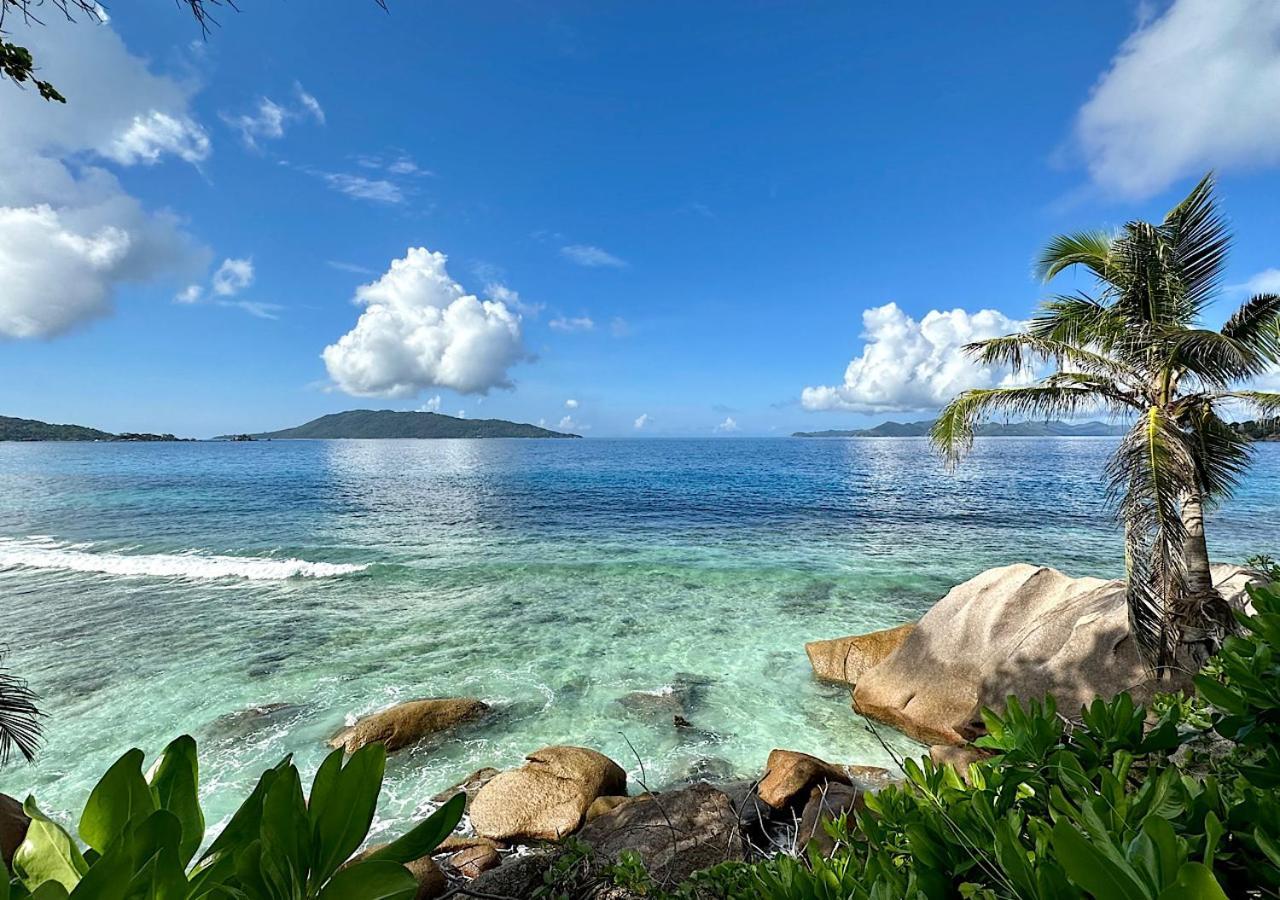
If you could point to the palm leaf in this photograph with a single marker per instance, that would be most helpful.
(1091, 249)
(1211, 357)
(1200, 239)
(19, 717)
(1257, 325)
(1021, 351)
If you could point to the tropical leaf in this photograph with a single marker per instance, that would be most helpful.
(19, 716)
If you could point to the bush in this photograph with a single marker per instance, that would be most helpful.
(1094, 808)
(144, 833)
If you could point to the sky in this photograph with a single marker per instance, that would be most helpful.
(617, 219)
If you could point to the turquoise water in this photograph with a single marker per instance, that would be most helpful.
(148, 590)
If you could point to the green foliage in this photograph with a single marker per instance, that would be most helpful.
(144, 830)
(1266, 564)
(1096, 807)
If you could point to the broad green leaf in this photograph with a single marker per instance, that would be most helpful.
(1195, 882)
(245, 824)
(47, 854)
(120, 797)
(50, 890)
(371, 880)
(175, 781)
(1093, 870)
(343, 800)
(4, 881)
(1220, 695)
(1269, 848)
(286, 836)
(426, 835)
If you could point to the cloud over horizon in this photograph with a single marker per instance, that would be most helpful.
(907, 364)
(419, 330)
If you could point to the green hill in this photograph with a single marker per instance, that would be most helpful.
(386, 423)
(12, 429)
(991, 429)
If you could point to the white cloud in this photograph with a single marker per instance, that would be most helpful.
(1265, 282)
(69, 233)
(914, 365)
(580, 323)
(189, 294)
(265, 123)
(349, 267)
(568, 424)
(420, 329)
(152, 135)
(571, 404)
(309, 103)
(255, 308)
(504, 294)
(379, 190)
(1195, 88)
(728, 425)
(232, 277)
(432, 405)
(591, 256)
(641, 421)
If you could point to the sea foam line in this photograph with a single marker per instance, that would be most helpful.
(45, 554)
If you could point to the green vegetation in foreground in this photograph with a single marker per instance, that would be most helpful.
(1140, 350)
(986, 429)
(144, 833)
(1103, 807)
(386, 423)
(12, 429)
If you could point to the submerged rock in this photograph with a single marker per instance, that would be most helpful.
(243, 723)
(546, 798)
(843, 660)
(675, 833)
(13, 828)
(408, 723)
(1018, 630)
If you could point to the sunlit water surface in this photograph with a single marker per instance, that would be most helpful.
(148, 590)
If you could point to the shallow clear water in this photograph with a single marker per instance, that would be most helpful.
(148, 590)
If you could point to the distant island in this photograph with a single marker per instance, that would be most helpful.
(12, 429)
(991, 429)
(1259, 429)
(386, 423)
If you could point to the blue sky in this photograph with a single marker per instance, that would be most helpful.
(689, 213)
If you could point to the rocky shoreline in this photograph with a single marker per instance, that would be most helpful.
(1018, 630)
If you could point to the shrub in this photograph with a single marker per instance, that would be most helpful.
(144, 834)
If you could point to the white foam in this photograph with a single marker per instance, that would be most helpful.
(44, 553)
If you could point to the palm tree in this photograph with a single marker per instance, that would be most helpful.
(19, 718)
(1138, 350)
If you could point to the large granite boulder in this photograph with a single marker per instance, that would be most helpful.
(13, 828)
(547, 797)
(790, 774)
(1017, 630)
(408, 723)
(675, 833)
(843, 660)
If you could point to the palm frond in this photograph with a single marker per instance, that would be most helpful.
(1221, 453)
(1076, 319)
(952, 431)
(1264, 403)
(1213, 358)
(1257, 324)
(1091, 249)
(1200, 238)
(1148, 289)
(1021, 351)
(1151, 470)
(19, 717)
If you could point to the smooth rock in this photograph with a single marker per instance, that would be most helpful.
(455, 842)
(470, 785)
(675, 834)
(518, 876)
(602, 805)
(1017, 630)
(408, 723)
(474, 861)
(827, 802)
(547, 797)
(843, 660)
(13, 827)
(790, 774)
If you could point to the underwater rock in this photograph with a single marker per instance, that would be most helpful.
(408, 723)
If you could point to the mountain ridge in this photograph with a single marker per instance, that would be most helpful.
(1052, 428)
(364, 424)
(15, 429)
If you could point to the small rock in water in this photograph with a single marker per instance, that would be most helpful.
(408, 723)
(707, 768)
(243, 723)
(680, 721)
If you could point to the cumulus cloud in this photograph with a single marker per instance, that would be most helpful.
(571, 404)
(727, 425)
(189, 294)
(568, 424)
(69, 233)
(232, 277)
(1195, 88)
(591, 256)
(580, 323)
(641, 421)
(907, 364)
(1265, 282)
(432, 405)
(419, 330)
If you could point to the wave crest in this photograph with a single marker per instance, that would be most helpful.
(50, 555)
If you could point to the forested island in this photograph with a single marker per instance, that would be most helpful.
(386, 423)
(12, 429)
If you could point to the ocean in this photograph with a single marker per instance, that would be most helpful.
(260, 595)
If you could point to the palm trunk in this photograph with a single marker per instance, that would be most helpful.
(1205, 617)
